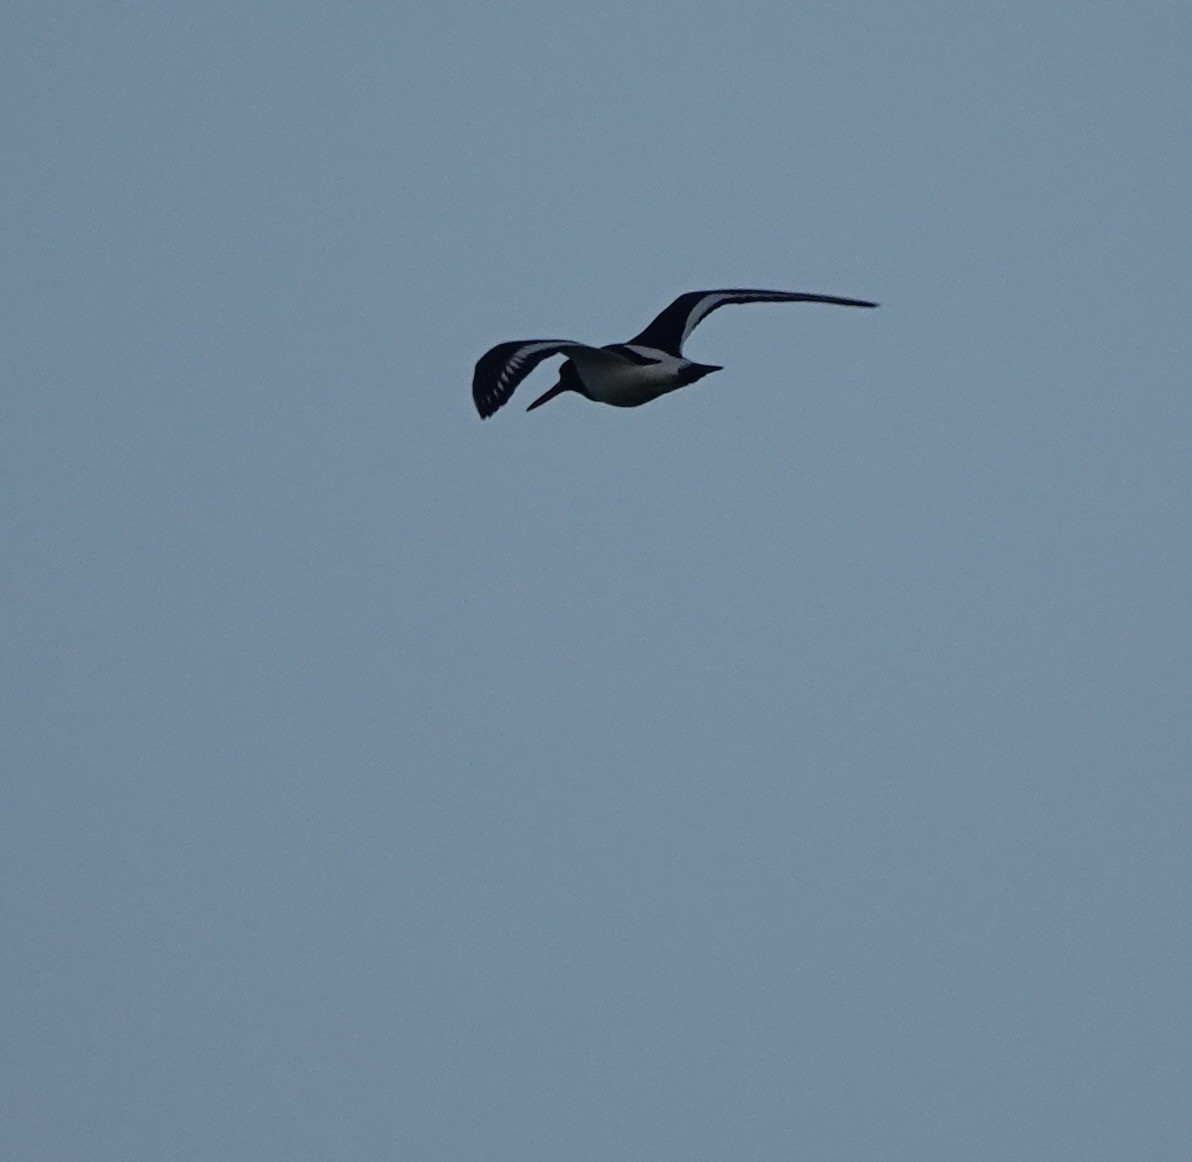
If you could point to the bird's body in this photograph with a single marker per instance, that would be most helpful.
(627, 376)
(621, 374)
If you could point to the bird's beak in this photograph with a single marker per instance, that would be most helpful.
(558, 389)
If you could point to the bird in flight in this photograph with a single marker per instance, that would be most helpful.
(625, 375)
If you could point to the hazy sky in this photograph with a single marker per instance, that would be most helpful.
(796, 767)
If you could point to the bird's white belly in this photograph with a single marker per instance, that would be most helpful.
(625, 384)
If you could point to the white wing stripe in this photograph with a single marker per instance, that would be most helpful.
(703, 308)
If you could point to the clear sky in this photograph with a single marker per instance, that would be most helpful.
(796, 767)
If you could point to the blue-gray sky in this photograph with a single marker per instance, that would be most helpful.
(796, 767)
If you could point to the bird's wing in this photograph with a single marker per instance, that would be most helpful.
(668, 332)
(500, 370)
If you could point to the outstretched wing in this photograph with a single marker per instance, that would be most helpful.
(499, 371)
(669, 331)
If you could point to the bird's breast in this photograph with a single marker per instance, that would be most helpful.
(631, 384)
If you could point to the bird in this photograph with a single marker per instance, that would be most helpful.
(622, 374)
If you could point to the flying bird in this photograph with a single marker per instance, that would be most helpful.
(625, 375)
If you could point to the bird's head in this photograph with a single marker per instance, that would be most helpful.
(569, 380)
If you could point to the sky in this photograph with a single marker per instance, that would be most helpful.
(794, 767)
